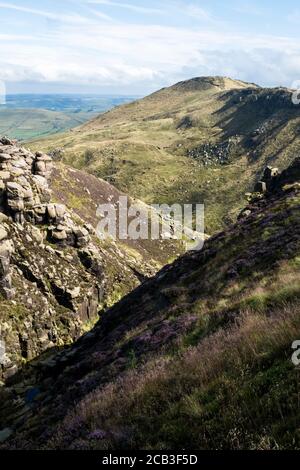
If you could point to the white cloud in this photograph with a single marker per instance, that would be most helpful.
(128, 6)
(116, 54)
(72, 18)
(16, 37)
(196, 12)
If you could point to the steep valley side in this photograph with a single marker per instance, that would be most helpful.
(197, 356)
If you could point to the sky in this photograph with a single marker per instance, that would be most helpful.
(136, 46)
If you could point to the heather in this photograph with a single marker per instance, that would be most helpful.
(199, 356)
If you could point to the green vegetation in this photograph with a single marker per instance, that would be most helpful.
(229, 382)
(27, 117)
(197, 357)
(26, 124)
(236, 390)
(144, 147)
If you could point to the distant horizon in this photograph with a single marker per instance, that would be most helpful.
(131, 94)
(121, 95)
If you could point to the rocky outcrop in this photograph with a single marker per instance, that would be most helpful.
(25, 194)
(268, 181)
(55, 274)
(6, 250)
(47, 294)
(215, 154)
(272, 181)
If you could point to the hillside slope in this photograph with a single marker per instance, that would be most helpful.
(198, 357)
(202, 140)
(56, 275)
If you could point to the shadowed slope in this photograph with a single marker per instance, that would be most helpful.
(198, 356)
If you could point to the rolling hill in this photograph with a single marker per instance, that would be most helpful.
(197, 357)
(29, 116)
(203, 140)
(25, 124)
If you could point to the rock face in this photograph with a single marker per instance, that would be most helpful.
(6, 250)
(272, 181)
(47, 293)
(215, 154)
(55, 274)
(25, 194)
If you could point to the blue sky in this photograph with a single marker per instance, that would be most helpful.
(137, 46)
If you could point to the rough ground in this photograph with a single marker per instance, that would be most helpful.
(56, 276)
(199, 356)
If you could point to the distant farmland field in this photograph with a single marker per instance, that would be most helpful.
(26, 117)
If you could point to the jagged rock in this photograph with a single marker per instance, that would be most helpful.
(51, 211)
(56, 211)
(40, 210)
(37, 235)
(10, 372)
(43, 165)
(3, 233)
(60, 210)
(215, 154)
(4, 157)
(273, 180)
(3, 218)
(82, 236)
(6, 141)
(16, 205)
(91, 260)
(74, 293)
(6, 250)
(260, 187)
(5, 175)
(270, 173)
(59, 235)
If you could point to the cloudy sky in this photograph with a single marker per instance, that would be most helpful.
(137, 46)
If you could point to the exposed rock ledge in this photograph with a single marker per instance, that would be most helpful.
(48, 290)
